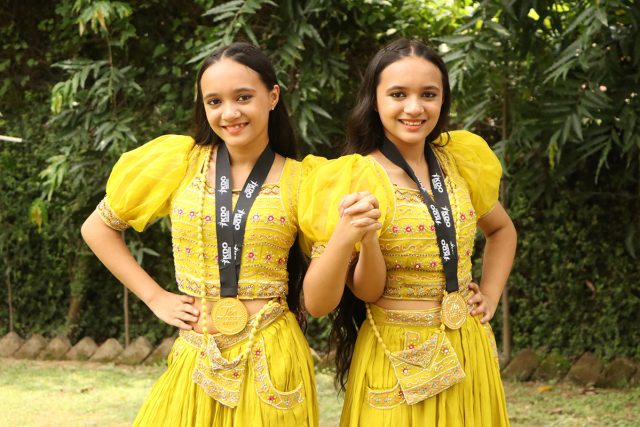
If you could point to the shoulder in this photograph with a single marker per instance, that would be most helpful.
(477, 164)
(466, 146)
(164, 147)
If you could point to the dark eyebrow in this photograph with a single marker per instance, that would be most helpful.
(398, 87)
(239, 90)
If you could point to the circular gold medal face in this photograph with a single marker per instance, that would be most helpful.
(229, 316)
(454, 310)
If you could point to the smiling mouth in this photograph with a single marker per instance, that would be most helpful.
(412, 123)
(236, 127)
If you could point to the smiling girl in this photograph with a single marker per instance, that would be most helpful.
(231, 193)
(425, 354)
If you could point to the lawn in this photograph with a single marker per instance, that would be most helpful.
(85, 394)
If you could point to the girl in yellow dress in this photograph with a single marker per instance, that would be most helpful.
(425, 354)
(232, 196)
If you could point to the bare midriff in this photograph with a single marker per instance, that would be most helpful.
(406, 304)
(253, 306)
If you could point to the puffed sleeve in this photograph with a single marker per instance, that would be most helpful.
(480, 168)
(311, 163)
(141, 183)
(324, 187)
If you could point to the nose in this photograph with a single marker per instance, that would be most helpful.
(230, 112)
(413, 106)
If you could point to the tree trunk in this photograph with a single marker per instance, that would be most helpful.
(7, 278)
(74, 310)
(126, 317)
(78, 280)
(506, 326)
(506, 315)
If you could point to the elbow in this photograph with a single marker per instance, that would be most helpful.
(92, 229)
(85, 230)
(316, 310)
(318, 305)
(369, 297)
(317, 313)
(513, 233)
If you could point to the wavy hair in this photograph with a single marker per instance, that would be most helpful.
(365, 134)
(364, 128)
(281, 139)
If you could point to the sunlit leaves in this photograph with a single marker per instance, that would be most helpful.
(555, 74)
(98, 14)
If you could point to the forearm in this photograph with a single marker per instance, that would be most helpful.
(499, 253)
(326, 277)
(109, 246)
(370, 273)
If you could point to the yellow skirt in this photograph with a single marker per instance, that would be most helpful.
(374, 396)
(273, 386)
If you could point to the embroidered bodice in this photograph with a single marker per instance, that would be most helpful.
(163, 177)
(407, 238)
(270, 232)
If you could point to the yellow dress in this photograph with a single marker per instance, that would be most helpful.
(240, 380)
(382, 393)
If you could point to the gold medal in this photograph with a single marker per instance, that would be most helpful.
(454, 310)
(229, 316)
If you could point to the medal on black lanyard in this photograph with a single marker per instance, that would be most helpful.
(454, 307)
(229, 316)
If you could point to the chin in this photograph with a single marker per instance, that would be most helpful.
(238, 141)
(413, 139)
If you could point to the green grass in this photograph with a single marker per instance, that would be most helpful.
(85, 394)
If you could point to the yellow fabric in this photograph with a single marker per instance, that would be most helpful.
(408, 243)
(323, 189)
(164, 177)
(278, 388)
(374, 398)
(407, 238)
(478, 165)
(141, 183)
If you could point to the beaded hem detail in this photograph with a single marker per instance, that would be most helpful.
(432, 317)
(422, 369)
(264, 386)
(196, 339)
(110, 217)
(317, 249)
(221, 379)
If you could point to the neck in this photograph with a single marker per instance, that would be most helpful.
(246, 156)
(412, 153)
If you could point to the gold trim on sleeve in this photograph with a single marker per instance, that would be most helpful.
(110, 217)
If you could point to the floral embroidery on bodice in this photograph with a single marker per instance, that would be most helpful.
(408, 242)
(271, 230)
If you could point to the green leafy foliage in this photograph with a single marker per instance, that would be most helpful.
(553, 87)
(574, 285)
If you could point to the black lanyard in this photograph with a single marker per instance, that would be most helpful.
(231, 223)
(440, 209)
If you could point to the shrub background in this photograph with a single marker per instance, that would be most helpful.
(552, 86)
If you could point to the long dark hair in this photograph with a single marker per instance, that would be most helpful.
(364, 128)
(365, 134)
(281, 139)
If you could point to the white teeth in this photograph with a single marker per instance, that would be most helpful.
(409, 123)
(236, 126)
